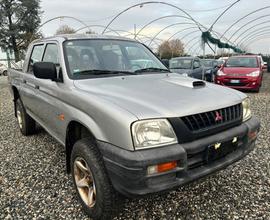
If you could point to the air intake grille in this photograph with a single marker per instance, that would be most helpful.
(217, 118)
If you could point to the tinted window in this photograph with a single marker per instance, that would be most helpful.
(51, 54)
(196, 64)
(207, 63)
(180, 63)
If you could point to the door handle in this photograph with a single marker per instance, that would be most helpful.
(24, 81)
(36, 87)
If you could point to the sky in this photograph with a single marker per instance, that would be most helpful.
(99, 13)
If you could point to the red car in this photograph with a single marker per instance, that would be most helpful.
(241, 72)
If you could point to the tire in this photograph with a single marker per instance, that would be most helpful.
(26, 124)
(5, 73)
(96, 182)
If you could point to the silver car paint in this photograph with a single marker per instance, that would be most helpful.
(108, 106)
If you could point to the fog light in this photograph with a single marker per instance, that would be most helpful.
(160, 168)
(218, 82)
(252, 135)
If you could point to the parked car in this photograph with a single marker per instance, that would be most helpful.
(187, 66)
(265, 66)
(211, 67)
(3, 69)
(125, 129)
(241, 72)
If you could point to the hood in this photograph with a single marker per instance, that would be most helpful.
(188, 71)
(160, 95)
(238, 70)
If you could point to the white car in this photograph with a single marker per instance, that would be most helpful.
(3, 69)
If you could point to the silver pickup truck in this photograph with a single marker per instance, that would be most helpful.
(125, 127)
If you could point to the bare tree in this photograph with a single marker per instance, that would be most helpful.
(65, 29)
(172, 48)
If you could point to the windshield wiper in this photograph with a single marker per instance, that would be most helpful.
(151, 69)
(102, 72)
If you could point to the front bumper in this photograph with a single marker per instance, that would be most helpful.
(245, 83)
(128, 170)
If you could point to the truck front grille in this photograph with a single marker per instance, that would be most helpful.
(213, 119)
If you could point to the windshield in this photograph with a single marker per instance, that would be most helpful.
(180, 63)
(250, 62)
(90, 57)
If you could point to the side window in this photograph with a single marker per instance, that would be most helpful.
(196, 64)
(51, 54)
(36, 56)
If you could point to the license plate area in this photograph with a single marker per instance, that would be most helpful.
(235, 81)
(219, 150)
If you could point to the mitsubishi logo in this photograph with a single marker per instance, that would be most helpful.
(218, 117)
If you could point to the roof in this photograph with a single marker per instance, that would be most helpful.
(84, 36)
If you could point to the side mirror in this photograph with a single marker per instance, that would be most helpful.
(165, 62)
(45, 70)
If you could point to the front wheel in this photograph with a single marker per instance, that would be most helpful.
(91, 181)
(5, 73)
(27, 124)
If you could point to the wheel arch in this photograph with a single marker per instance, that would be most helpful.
(75, 131)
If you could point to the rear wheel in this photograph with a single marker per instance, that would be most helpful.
(5, 73)
(26, 124)
(91, 181)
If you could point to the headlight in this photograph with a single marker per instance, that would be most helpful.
(220, 73)
(152, 133)
(254, 74)
(208, 71)
(246, 109)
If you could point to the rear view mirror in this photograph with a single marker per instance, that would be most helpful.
(45, 70)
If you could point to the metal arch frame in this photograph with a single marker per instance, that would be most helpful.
(197, 51)
(254, 36)
(223, 14)
(246, 32)
(181, 31)
(189, 33)
(240, 19)
(160, 18)
(168, 26)
(59, 17)
(96, 25)
(194, 38)
(260, 31)
(144, 36)
(140, 40)
(130, 33)
(147, 3)
(260, 37)
(189, 50)
(249, 22)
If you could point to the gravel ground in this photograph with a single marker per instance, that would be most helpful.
(34, 185)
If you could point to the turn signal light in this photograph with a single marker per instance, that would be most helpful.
(163, 167)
